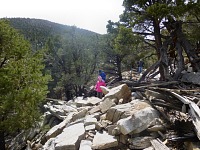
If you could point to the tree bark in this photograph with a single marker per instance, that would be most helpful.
(153, 67)
(175, 29)
(164, 64)
(180, 61)
(191, 53)
(159, 50)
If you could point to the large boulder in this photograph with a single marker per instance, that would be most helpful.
(90, 101)
(106, 104)
(138, 121)
(115, 113)
(60, 111)
(81, 114)
(70, 138)
(120, 92)
(125, 110)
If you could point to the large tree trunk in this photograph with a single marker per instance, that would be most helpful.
(2, 141)
(191, 53)
(175, 29)
(159, 50)
(164, 61)
(180, 61)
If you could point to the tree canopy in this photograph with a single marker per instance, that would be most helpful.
(23, 85)
(73, 59)
(163, 25)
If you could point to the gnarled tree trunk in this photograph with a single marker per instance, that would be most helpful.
(175, 29)
(172, 49)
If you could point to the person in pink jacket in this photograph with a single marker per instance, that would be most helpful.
(99, 83)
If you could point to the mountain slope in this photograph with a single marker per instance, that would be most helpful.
(37, 31)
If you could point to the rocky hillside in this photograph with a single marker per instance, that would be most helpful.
(130, 116)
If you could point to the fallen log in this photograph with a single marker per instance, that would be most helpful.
(153, 67)
(155, 95)
(153, 85)
(193, 110)
(178, 91)
(164, 104)
(158, 145)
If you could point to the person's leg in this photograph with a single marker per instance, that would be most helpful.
(100, 95)
(139, 69)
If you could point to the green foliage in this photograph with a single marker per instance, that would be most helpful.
(112, 27)
(145, 17)
(191, 28)
(38, 31)
(125, 41)
(22, 84)
(122, 43)
(72, 53)
(158, 10)
(73, 58)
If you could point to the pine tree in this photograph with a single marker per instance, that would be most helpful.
(161, 25)
(22, 84)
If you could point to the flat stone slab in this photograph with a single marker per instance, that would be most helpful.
(94, 100)
(90, 127)
(104, 141)
(85, 145)
(70, 137)
(56, 130)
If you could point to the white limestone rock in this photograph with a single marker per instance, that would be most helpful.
(70, 137)
(120, 92)
(85, 145)
(49, 145)
(137, 122)
(104, 141)
(56, 130)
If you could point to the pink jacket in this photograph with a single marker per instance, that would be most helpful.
(99, 83)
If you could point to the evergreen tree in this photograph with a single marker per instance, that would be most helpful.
(151, 19)
(22, 84)
(73, 59)
(124, 44)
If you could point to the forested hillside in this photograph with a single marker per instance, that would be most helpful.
(72, 55)
(37, 31)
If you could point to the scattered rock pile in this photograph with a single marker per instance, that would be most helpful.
(147, 117)
(118, 121)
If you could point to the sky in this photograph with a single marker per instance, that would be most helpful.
(91, 15)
